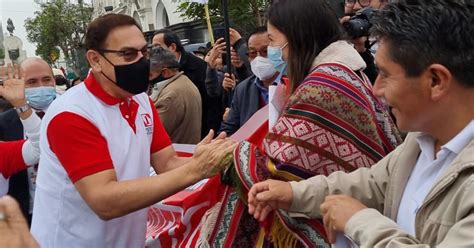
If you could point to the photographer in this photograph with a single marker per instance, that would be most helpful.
(216, 85)
(357, 24)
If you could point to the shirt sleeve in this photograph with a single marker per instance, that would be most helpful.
(11, 158)
(31, 149)
(160, 137)
(78, 145)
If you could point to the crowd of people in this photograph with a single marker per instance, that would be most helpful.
(363, 141)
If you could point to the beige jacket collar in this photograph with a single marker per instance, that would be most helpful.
(340, 52)
(161, 85)
(409, 156)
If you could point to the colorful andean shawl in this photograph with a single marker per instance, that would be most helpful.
(331, 122)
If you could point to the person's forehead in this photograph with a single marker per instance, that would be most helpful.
(274, 33)
(382, 56)
(375, 3)
(36, 68)
(260, 39)
(159, 38)
(125, 36)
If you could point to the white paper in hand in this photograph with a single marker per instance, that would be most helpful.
(276, 103)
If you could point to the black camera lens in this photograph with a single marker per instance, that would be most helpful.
(357, 28)
(359, 25)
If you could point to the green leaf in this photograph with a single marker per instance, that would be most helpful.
(58, 25)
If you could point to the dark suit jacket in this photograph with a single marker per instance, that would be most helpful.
(245, 102)
(195, 69)
(12, 129)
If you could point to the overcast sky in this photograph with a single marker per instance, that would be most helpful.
(19, 11)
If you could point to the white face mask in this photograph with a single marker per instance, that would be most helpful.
(262, 68)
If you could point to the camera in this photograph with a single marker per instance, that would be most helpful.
(359, 25)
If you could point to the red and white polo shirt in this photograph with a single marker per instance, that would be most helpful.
(86, 131)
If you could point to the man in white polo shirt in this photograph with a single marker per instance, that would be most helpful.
(98, 141)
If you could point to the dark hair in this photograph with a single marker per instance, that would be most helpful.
(162, 58)
(99, 29)
(201, 50)
(421, 33)
(258, 30)
(61, 80)
(170, 37)
(310, 26)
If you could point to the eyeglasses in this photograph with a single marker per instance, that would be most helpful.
(128, 54)
(362, 3)
(254, 53)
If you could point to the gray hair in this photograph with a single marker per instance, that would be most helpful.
(162, 58)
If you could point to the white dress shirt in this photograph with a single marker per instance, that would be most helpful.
(427, 171)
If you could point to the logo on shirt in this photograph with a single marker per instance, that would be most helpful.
(147, 120)
(148, 123)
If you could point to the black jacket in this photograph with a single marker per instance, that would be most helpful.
(245, 102)
(371, 69)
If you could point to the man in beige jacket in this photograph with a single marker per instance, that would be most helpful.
(176, 98)
(421, 194)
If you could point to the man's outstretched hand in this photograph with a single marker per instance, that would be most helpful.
(264, 197)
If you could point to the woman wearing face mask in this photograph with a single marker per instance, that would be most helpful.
(331, 121)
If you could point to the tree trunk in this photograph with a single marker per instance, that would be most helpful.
(256, 12)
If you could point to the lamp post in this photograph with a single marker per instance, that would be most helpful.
(227, 35)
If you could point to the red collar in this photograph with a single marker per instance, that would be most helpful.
(94, 87)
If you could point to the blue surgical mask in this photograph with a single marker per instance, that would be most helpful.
(275, 55)
(40, 97)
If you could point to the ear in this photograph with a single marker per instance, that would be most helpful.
(441, 80)
(93, 57)
(165, 72)
(172, 47)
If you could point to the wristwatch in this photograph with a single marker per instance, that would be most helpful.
(23, 108)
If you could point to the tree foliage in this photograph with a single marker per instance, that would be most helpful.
(58, 25)
(243, 14)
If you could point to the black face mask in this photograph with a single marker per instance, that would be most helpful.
(132, 78)
(154, 81)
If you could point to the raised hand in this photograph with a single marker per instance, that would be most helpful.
(214, 56)
(234, 36)
(226, 114)
(235, 59)
(229, 82)
(359, 43)
(13, 88)
(269, 195)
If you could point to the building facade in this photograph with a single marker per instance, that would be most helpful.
(150, 14)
